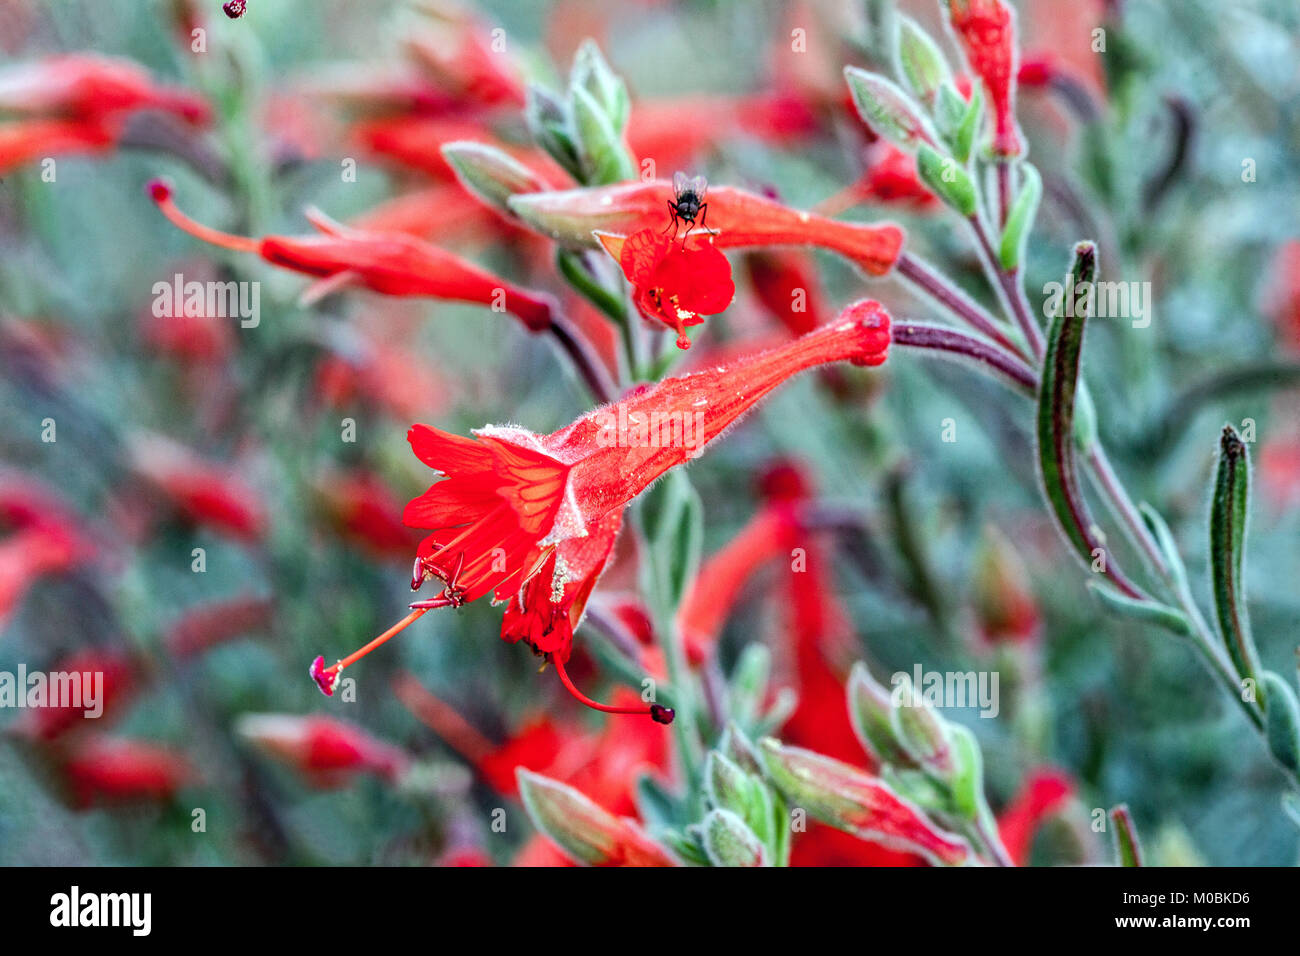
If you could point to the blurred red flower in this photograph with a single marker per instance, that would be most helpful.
(198, 491)
(328, 752)
(118, 770)
(212, 623)
(1044, 792)
(395, 264)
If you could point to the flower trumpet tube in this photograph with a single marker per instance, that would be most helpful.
(739, 219)
(387, 263)
(986, 32)
(326, 751)
(510, 498)
(91, 87)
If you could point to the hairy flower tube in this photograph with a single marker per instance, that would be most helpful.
(511, 497)
(739, 219)
(387, 263)
(986, 32)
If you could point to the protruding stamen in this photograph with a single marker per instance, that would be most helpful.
(327, 677)
(161, 193)
(656, 712)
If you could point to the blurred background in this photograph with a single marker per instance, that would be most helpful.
(198, 509)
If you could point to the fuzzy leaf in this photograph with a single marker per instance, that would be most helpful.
(889, 111)
(1056, 425)
(946, 178)
(1228, 514)
(548, 122)
(1020, 219)
(1168, 547)
(729, 842)
(920, 61)
(489, 173)
(870, 707)
(1143, 610)
(1282, 720)
(602, 152)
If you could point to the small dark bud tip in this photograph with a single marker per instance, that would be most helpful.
(661, 714)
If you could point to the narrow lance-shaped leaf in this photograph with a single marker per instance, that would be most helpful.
(1282, 720)
(1020, 220)
(1056, 446)
(1153, 612)
(1228, 514)
(1127, 846)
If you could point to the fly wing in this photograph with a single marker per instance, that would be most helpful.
(697, 185)
(680, 182)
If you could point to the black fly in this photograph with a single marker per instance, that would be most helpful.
(688, 203)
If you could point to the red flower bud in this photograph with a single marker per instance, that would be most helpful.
(986, 32)
(113, 770)
(329, 752)
(387, 263)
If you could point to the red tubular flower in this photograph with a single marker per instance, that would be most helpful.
(26, 140)
(215, 622)
(1037, 72)
(511, 496)
(1043, 794)
(891, 177)
(602, 765)
(109, 674)
(366, 512)
(328, 752)
(31, 554)
(387, 263)
(544, 612)
(118, 770)
(85, 86)
(740, 219)
(675, 284)
(656, 127)
(200, 492)
(721, 578)
(986, 32)
(1279, 471)
(456, 53)
(1282, 294)
(785, 283)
